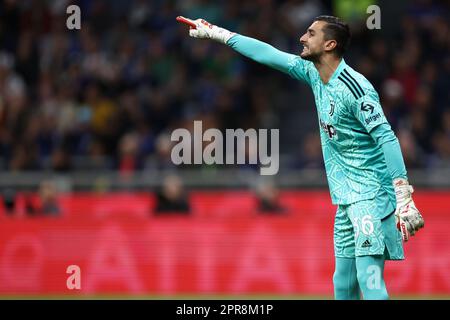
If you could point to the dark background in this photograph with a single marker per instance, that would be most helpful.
(105, 98)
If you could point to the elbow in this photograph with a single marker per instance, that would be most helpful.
(383, 134)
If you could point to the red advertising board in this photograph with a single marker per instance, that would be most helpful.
(224, 247)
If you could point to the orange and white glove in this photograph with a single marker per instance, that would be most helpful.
(202, 29)
(408, 218)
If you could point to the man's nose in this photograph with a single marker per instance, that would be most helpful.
(302, 39)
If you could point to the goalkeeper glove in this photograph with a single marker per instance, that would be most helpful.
(203, 29)
(408, 218)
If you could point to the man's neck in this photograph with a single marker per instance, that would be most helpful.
(326, 67)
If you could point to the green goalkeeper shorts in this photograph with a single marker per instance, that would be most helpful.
(358, 231)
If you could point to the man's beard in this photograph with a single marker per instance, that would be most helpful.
(313, 57)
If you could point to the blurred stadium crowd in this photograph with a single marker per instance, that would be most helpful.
(108, 95)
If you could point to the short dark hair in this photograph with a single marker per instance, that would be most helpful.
(338, 30)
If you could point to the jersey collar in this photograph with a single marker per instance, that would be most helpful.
(338, 70)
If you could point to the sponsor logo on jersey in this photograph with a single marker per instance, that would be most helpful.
(367, 107)
(328, 128)
(373, 118)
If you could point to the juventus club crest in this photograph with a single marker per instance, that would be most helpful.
(331, 108)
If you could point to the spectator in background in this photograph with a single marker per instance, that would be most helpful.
(413, 155)
(8, 196)
(441, 143)
(161, 160)
(172, 197)
(129, 160)
(47, 202)
(268, 199)
(310, 155)
(67, 98)
(60, 161)
(392, 101)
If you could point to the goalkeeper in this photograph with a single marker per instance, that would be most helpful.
(363, 160)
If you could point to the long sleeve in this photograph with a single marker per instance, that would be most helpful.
(268, 55)
(385, 137)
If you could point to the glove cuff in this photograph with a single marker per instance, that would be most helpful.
(403, 189)
(221, 34)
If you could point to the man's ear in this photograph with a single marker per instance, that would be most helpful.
(330, 45)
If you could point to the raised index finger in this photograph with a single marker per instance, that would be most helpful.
(187, 21)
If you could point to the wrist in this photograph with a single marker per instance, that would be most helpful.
(403, 189)
(221, 34)
(401, 181)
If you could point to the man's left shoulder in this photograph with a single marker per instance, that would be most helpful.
(357, 84)
(358, 79)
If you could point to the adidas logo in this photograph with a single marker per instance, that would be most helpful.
(366, 244)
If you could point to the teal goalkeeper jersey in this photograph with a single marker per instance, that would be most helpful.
(348, 109)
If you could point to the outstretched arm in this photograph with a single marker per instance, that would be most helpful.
(252, 48)
(262, 52)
